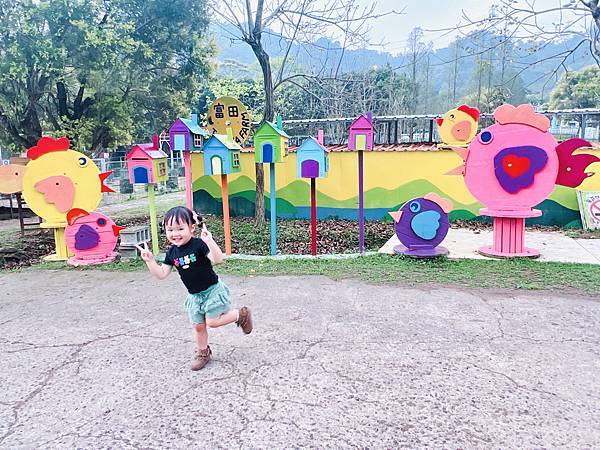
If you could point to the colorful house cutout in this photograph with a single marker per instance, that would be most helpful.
(312, 159)
(187, 135)
(270, 142)
(361, 133)
(221, 155)
(146, 163)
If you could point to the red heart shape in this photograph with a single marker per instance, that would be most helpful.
(515, 166)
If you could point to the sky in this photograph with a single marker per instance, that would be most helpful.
(431, 15)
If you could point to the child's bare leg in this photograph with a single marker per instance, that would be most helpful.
(201, 336)
(229, 317)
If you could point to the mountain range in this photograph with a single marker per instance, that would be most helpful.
(533, 61)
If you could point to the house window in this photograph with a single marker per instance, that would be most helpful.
(197, 140)
(162, 169)
(236, 160)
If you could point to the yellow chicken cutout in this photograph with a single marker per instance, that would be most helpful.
(458, 127)
(58, 179)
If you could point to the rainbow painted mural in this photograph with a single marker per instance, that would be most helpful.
(391, 178)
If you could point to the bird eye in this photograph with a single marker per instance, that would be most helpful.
(82, 161)
(486, 137)
(451, 116)
(415, 207)
(101, 222)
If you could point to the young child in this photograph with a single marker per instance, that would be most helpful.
(207, 303)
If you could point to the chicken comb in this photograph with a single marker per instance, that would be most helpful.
(523, 114)
(46, 145)
(75, 214)
(473, 112)
(444, 203)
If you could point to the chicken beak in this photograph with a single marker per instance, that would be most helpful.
(460, 170)
(439, 121)
(117, 229)
(395, 215)
(103, 176)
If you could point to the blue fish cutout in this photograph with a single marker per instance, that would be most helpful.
(426, 224)
(86, 238)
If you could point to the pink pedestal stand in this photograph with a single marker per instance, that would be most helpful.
(509, 234)
(91, 260)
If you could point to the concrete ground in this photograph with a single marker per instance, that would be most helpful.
(553, 246)
(95, 359)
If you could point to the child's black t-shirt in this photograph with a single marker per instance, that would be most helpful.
(192, 263)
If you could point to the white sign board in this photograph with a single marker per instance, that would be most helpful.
(589, 208)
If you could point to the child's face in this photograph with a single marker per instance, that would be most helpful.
(179, 233)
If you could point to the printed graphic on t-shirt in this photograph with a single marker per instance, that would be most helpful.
(184, 261)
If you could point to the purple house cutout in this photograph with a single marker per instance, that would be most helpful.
(361, 133)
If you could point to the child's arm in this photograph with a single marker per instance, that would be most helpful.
(214, 252)
(160, 271)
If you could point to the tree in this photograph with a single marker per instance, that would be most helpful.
(298, 24)
(577, 90)
(533, 28)
(98, 71)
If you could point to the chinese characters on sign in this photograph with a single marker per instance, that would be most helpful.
(229, 111)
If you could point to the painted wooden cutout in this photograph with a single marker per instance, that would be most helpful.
(11, 178)
(421, 224)
(187, 136)
(147, 163)
(312, 161)
(222, 155)
(458, 126)
(360, 138)
(80, 185)
(270, 142)
(51, 161)
(512, 166)
(91, 237)
(312, 158)
(271, 146)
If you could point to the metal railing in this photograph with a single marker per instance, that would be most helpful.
(565, 124)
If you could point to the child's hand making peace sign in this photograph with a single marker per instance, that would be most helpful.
(145, 253)
(205, 235)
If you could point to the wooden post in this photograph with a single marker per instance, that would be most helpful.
(361, 219)
(226, 222)
(273, 201)
(313, 215)
(20, 213)
(153, 224)
(188, 180)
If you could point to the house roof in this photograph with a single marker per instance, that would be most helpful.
(224, 139)
(194, 127)
(311, 140)
(361, 122)
(149, 150)
(275, 128)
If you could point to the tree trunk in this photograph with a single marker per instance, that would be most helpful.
(268, 114)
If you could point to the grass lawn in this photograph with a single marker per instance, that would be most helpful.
(502, 274)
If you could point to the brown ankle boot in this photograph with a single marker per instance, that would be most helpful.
(245, 320)
(201, 358)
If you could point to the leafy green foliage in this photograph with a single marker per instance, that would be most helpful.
(577, 90)
(102, 72)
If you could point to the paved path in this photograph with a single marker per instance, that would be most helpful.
(553, 246)
(96, 359)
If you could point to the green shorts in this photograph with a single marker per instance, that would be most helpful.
(211, 303)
